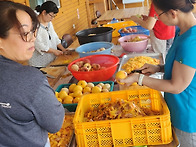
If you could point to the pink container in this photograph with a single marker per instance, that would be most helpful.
(138, 46)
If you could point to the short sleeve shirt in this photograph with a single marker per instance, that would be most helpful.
(46, 39)
(183, 106)
(161, 30)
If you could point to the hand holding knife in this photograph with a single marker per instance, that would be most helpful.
(136, 71)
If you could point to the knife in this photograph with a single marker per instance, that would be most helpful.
(58, 65)
(69, 52)
(47, 75)
(136, 71)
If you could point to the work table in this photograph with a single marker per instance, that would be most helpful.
(119, 14)
(63, 76)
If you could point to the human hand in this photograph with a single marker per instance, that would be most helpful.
(57, 52)
(148, 69)
(134, 18)
(64, 50)
(144, 17)
(130, 79)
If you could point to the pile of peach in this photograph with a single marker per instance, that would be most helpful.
(86, 65)
(128, 30)
(63, 137)
(98, 50)
(74, 92)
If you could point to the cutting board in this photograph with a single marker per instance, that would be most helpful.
(65, 59)
(57, 72)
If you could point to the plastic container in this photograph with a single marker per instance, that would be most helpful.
(110, 63)
(114, 20)
(140, 30)
(119, 25)
(95, 35)
(72, 107)
(85, 49)
(138, 46)
(149, 130)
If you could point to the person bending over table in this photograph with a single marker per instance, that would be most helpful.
(28, 106)
(47, 40)
(179, 82)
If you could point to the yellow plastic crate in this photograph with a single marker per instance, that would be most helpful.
(119, 25)
(149, 130)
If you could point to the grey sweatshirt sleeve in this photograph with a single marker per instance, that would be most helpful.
(48, 111)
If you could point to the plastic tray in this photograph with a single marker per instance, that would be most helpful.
(149, 130)
(124, 60)
(119, 25)
(140, 30)
(72, 107)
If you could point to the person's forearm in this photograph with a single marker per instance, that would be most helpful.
(161, 85)
(61, 47)
(147, 24)
(51, 50)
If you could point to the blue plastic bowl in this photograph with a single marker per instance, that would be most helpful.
(140, 30)
(84, 50)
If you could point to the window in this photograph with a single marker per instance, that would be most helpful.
(34, 3)
(57, 2)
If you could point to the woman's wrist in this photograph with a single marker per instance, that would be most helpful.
(161, 68)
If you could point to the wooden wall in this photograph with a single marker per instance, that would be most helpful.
(25, 2)
(120, 5)
(72, 12)
(68, 14)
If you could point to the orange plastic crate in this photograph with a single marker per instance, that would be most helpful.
(149, 130)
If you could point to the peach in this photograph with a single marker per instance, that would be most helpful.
(106, 86)
(134, 30)
(130, 29)
(120, 75)
(88, 66)
(96, 66)
(80, 64)
(105, 90)
(82, 83)
(86, 61)
(75, 67)
(99, 86)
(84, 69)
(90, 84)
(102, 49)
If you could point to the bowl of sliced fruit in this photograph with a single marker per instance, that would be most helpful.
(94, 48)
(134, 43)
(94, 68)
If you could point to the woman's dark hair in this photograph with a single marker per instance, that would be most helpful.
(9, 19)
(182, 5)
(48, 6)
